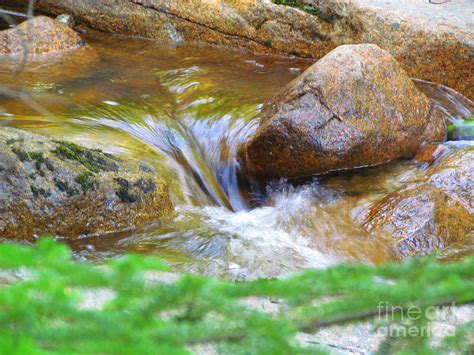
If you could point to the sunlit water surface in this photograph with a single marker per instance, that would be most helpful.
(185, 110)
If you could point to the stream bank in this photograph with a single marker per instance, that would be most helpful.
(431, 42)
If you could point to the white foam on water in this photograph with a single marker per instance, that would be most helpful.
(264, 242)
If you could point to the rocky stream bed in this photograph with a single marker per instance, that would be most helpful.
(328, 132)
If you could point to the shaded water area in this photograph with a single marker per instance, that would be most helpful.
(184, 110)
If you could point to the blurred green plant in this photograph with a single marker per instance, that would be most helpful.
(44, 307)
(462, 130)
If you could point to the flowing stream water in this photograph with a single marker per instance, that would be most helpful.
(185, 110)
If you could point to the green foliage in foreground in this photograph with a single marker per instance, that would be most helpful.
(42, 310)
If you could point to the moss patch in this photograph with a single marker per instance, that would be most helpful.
(93, 160)
(65, 187)
(39, 191)
(310, 9)
(85, 180)
(23, 155)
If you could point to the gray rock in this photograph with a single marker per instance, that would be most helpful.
(60, 188)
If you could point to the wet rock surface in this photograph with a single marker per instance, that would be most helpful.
(432, 42)
(60, 188)
(39, 36)
(421, 219)
(355, 107)
(428, 154)
(454, 175)
(433, 214)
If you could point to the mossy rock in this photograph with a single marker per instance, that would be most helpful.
(64, 189)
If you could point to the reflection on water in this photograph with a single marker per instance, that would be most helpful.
(185, 110)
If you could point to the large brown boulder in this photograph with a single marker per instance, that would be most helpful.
(60, 188)
(355, 107)
(39, 36)
(432, 214)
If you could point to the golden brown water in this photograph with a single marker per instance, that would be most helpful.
(184, 110)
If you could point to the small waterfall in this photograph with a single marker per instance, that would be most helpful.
(202, 153)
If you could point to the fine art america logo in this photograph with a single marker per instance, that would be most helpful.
(414, 321)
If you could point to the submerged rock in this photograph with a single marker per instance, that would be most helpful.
(60, 188)
(39, 36)
(433, 214)
(355, 107)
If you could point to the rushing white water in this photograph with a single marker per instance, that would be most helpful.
(265, 241)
